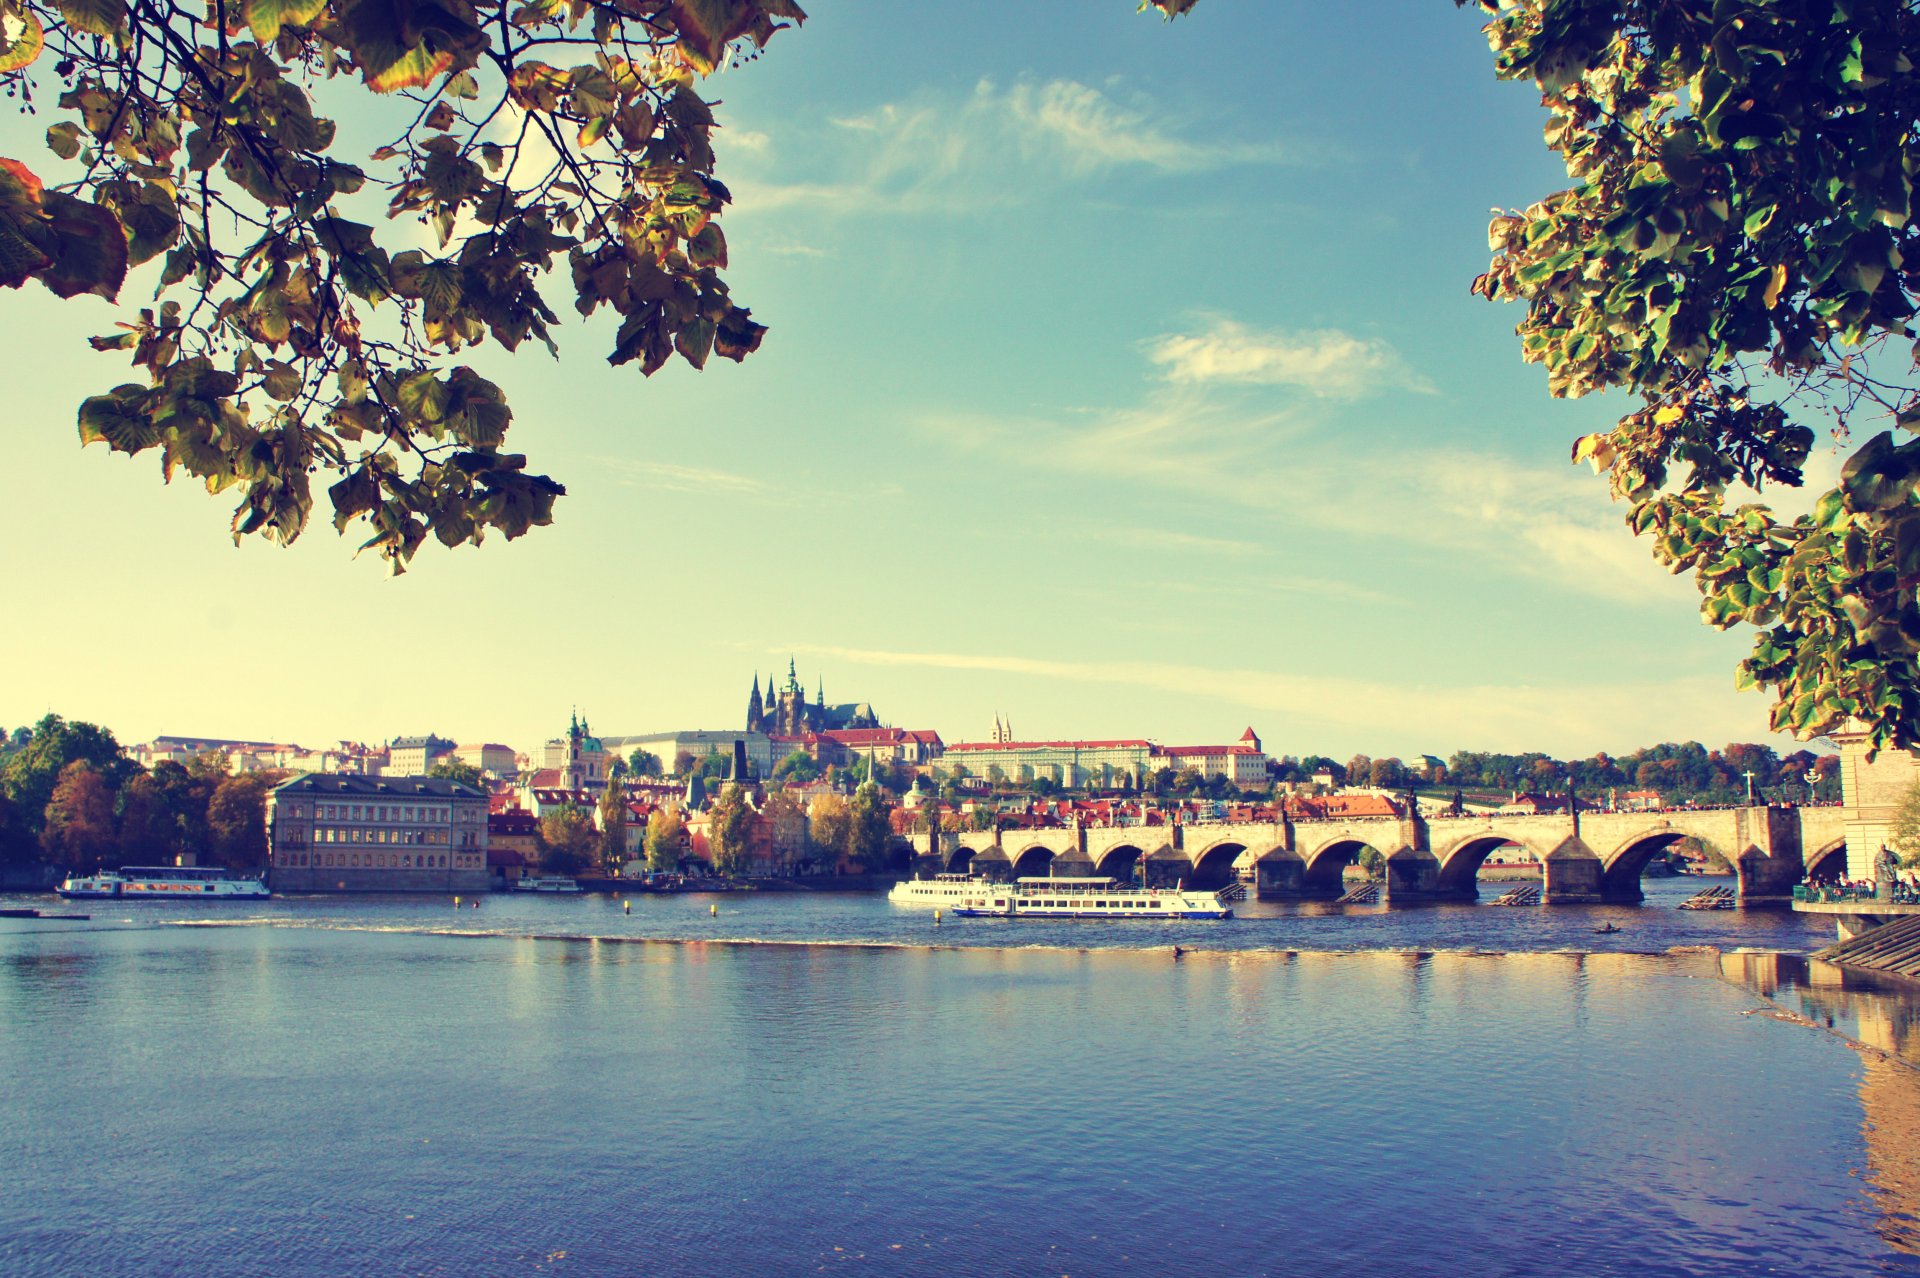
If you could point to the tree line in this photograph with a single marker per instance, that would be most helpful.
(70, 797)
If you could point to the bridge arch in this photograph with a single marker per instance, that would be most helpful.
(1460, 862)
(1034, 862)
(1621, 869)
(1827, 862)
(960, 860)
(1121, 861)
(1213, 867)
(1327, 864)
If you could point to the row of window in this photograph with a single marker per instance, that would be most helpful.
(402, 812)
(377, 860)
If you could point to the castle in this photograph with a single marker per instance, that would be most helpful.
(788, 713)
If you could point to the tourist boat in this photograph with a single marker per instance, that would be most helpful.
(547, 883)
(165, 883)
(1088, 898)
(940, 890)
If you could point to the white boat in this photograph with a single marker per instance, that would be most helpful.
(164, 883)
(940, 890)
(1088, 898)
(547, 883)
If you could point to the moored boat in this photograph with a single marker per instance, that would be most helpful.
(164, 883)
(1089, 898)
(940, 890)
(547, 883)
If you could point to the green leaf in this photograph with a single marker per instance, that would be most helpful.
(423, 398)
(1882, 475)
(95, 17)
(281, 380)
(119, 419)
(266, 17)
(19, 53)
(87, 246)
(63, 139)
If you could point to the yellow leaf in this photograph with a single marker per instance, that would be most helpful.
(19, 47)
(1775, 283)
(1669, 415)
(1596, 450)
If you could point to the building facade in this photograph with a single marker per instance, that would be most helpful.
(1243, 763)
(788, 713)
(669, 746)
(1107, 764)
(490, 757)
(376, 834)
(580, 758)
(1871, 789)
(415, 756)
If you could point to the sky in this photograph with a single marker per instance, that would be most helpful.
(1122, 379)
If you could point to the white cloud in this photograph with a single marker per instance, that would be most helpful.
(935, 153)
(1324, 362)
(676, 478)
(1146, 538)
(1550, 523)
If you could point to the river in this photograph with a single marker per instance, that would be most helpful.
(814, 1083)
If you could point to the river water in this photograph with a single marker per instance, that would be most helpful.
(817, 1083)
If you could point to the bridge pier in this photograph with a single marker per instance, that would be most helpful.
(1280, 880)
(1572, 875)
(1413, 878)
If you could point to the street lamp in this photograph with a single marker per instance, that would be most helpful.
(1812, 775)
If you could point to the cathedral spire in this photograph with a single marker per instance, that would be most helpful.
(756, 716)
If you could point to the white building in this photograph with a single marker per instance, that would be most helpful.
(490, 757)
(1107, 764)
(1244, 763)
(669, 746)
(416, 756)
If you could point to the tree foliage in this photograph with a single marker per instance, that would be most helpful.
(1905, 834)
(868, 829)
(730, 830)
(311, 303)
(829, 824)
(31, 772)
(798, 765)
(1738, 250)
(666, 838)
(458, 770)
(567, 841)
(78, 832)
(613, 827)
(237, 819)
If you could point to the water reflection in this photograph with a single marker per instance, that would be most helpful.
(1883, 1015)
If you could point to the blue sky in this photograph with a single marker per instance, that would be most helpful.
(1122, 378)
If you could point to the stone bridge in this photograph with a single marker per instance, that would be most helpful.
(1585, 858)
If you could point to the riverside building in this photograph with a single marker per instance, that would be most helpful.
(376, 834)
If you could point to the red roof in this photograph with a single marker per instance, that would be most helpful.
(864, 736)
(1049, 745)
(544, 779)
(1250, 735)
(515, 822)
(1220, 749)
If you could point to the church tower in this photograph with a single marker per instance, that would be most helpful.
(756, 715)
